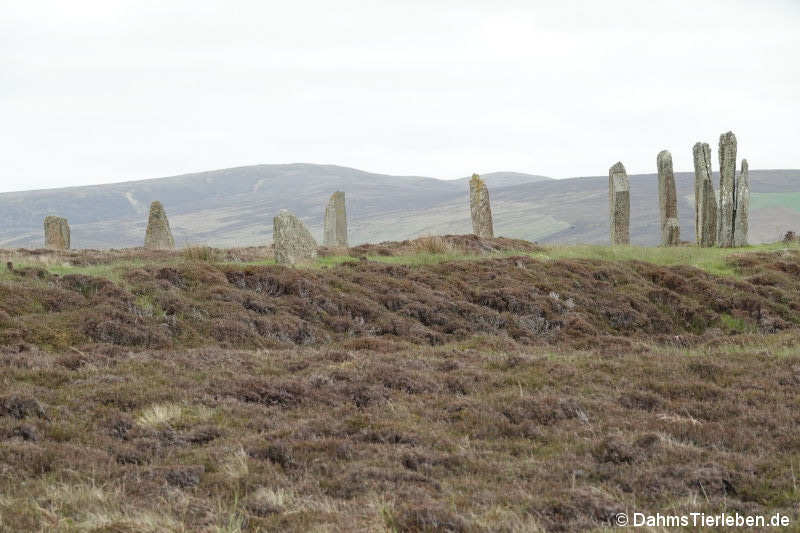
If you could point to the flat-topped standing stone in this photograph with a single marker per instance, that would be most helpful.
(667, 201)
(158, 235)
(56, 233)
(480, 209)
(335, 232)
(293, 242)
(742, 222)
(727, 189)
(619, 204)
(705, 204)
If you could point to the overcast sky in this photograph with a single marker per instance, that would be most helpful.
(107, 90)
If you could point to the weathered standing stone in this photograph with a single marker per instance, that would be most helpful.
(158, 235)
(727, 189)
(56, 233)
(708, 216)
(671, 232)
(293, 242)
(335, 232)
(619, 204)
(705, 204)
(667, 200)
(742, 222)
(480, 209)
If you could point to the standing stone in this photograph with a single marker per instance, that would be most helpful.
(708, 216)
(158, 235)
(293, 242)
(335, 232)
(619, 204)
(742, 221)
(705, 204)
(480, 209)
(667, 201)
(56, 233)
(727, 189)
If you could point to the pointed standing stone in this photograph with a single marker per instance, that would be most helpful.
(667, 201)
(480, 209)
(727, 189)
(619, 204)
(335, 232)
(56, 233)
(742, 222)
(158, 235)
(705, 204)
(293, 242)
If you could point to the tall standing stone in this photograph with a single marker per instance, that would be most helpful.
(667, 201)
(619, 204)
(56, 233)
(293, 242)
(158, 235)
(480, 209)
(335, 232)
(727, 189)
(705, 204)
(708, 216)
(742, 222)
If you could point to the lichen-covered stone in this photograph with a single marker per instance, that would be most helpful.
(56, 233)
(705, 203)
(667, 200)
(727, 189)
(293, 242)
(335, 230)
(480, 209)
(742, 217)
(158, 235)
(708, 216)
(619, 204)
(671, 233)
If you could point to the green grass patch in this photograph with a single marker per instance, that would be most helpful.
(712, 260)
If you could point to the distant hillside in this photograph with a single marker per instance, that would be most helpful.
(234, 207)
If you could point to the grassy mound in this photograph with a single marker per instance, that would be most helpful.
(490, 386)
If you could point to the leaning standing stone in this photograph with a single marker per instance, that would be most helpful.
(293, 242)
(742, 221)
(56, 233)
(480, 209)
(727, 189)
(158, 235)
(619, 204)
(335, 232)
(705, 204)
(667, 201)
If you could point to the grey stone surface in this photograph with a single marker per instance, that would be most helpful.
(667, 200)
(158, 235)
(705, 203)
(56, 233)
(727, 189)
(741, 223)
(479, 208)
(619, 204)
(335, 228)
(671, 232)
(293, 242)
(708, 202)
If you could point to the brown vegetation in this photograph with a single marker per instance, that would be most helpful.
(496, 395)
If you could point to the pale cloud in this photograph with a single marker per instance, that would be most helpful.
(98, 91)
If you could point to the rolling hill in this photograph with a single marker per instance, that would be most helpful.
(234, 207)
